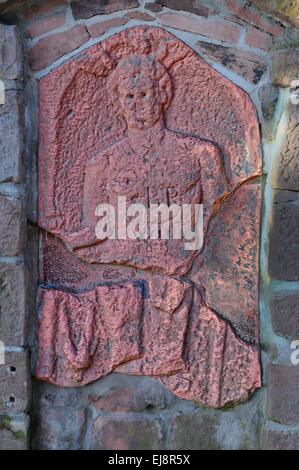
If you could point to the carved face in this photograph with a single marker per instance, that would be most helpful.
(140, 101)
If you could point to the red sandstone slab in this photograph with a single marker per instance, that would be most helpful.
(222, 369)
(45, 25)
(226, 271)
(141, 116)
(86, 335)
(223, 115)
(165, 324)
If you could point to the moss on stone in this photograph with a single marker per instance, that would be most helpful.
(5, 422)
(20, 435)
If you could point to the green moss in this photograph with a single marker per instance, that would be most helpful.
(286, 45)
(68, 439)
(5, 422)
(20, 435)
(7, 425)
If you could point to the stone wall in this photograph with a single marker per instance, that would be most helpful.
(14, 375)
(254, 50)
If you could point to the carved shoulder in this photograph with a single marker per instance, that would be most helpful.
(107, 155)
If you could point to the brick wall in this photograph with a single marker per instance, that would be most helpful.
(241, 42)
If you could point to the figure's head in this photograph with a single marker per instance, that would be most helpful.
(142, 90)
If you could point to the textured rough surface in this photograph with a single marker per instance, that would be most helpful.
(213, 28)
(13, 301)
(275, 438)
(83, 337)
(182, 435)
(12, 228)
(11, 138)
(250, 66)
(58, 428)
(14, 432)
(284, 241)
(285, 66)
(51, 48)
(44, 25)
(268, 95)
(36, 9)
(286, 171)
(258, 40)
(139, 15)
(11, 66)
(232, 429)
(64, 418)
(126, 433)
(221, 370)
(282, 403)
(154, 7)
(90, 8)
(132, 397)
(253, 16)
(97, 29)
(14, 383)
(287, 10)
(193, 6)
(157, 148)
(230, 253)
(285, 315)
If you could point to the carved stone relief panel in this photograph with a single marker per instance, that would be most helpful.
(140, 119)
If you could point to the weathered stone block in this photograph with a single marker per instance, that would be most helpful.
(212, 28)
(285, 173)
(268, 94)
(14, 383)
(258, 39)
(115, 433)
(285, 66)
(131, 395)
(226, 258)
(58, 428)
(194, 431)
(251, 15)
(12, 227)
(275, 438)
(14, 432)
(285, 315)
(8, 7)
(36, 10)
(154, 7)
(250, 66)
(139, 15)
(282, 391)
(235, 429)
(13, 301)
(45, 395)
(11, 57)
(51, 48)
(11, 138)
(97, 29)
(284, 240)
(196, 7)
(287, 10)
(90, 8)
(45, 25)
